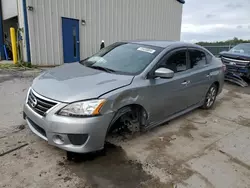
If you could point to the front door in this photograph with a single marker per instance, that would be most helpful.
(71, 43)
(169, 96)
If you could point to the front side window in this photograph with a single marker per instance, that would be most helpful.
(123, 58)
(197, 58)
(176, 62)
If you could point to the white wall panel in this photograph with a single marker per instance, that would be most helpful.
(21, 25)
(9, 9)
(109, 20)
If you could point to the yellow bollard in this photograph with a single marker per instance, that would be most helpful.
(13, 44)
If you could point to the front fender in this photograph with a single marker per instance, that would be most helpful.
(124, 97)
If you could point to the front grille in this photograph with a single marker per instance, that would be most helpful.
(37, 128)
(237, 69)
(39, 104)
(235, 62)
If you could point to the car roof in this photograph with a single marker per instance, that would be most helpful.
(163, 43)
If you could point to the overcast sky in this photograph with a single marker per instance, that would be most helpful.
(213, 20)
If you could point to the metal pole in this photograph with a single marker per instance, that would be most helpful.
(13, 44)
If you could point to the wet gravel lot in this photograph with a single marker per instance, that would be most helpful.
(200, 149)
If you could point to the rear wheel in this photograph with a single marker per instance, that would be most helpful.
(210, 97)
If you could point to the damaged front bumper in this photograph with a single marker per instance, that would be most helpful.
(236, 70)
(79, 135)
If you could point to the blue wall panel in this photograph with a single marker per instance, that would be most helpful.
(1, 32)
(26, 28)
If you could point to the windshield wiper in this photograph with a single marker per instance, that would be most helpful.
(103, 69)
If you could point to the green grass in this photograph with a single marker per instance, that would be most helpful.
(19, 66)
(8, 66)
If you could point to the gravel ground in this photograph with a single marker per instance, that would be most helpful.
(200, 149)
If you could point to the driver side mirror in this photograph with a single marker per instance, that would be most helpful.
(164, 73)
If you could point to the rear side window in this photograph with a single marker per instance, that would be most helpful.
(197, 58)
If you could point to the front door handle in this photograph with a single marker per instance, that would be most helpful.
(208, 75)
(185, 82)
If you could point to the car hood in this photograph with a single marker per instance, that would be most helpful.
(235, 55)
(75, 82)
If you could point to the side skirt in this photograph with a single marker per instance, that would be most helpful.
(175, 115)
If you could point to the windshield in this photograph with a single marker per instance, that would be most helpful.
(123, 58)
(241, 49)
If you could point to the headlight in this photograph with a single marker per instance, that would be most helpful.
(27, 95)
(85, 108)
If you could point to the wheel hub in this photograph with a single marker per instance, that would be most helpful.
(131, 122)
(211, 96)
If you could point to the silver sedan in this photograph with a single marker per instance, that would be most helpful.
(127, 86)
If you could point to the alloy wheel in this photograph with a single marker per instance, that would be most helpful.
(211, 96)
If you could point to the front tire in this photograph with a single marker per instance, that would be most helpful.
(210, 97)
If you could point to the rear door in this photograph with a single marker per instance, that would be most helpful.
(199, 75)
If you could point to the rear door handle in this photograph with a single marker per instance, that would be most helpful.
(208, 75)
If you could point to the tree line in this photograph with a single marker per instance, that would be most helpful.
(231, 42)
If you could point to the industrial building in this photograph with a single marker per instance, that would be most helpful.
(8, 19)
(53, 32)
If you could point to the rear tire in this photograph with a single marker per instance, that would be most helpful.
(210, 97)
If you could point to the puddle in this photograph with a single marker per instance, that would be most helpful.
(233, 94)
(205, 135)
(7, 75)
(168, 138)
(243, 121)
(113, 169)
(228, 97)
(206, 113)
